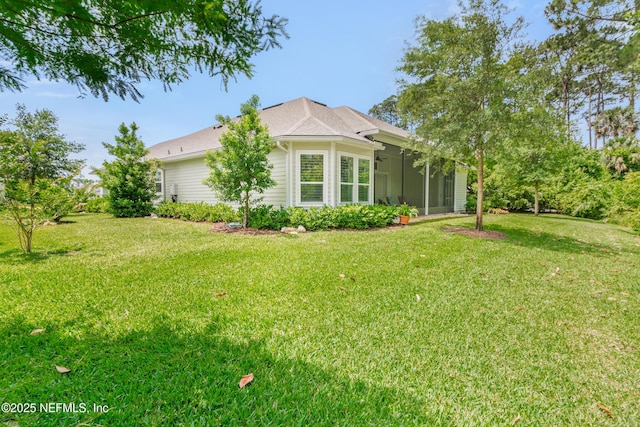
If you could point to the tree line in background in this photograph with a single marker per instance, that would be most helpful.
(549, 126)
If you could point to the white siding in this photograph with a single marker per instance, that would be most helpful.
(460, 190)
(277, 195)
(188, 175)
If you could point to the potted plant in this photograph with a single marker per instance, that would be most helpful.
(405, 212)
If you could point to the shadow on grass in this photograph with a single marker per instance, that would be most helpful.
(164, 376)
(553, 242)
(17, 257)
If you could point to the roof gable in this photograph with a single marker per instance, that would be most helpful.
(301, 117)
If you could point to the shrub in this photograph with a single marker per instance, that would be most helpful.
(266, 217)
(585, 199)
(350, 216)
(97, 205)
(198, 211)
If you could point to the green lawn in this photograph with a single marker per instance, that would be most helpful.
(409, 326)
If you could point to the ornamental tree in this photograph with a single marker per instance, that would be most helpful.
(129, 178)
(35, 172)
(240, 167)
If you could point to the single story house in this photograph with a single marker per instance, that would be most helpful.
(321, 156)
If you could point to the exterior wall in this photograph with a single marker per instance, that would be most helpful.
(461, 190)
(332, 152)
(186, 178)
(277, 195)
(188, 175)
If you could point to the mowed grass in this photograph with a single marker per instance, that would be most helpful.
(407, 326)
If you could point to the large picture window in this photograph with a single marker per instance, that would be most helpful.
(312, 178)
(355, 179)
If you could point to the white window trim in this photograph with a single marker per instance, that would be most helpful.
(325, 172)
(161, 182)
(354, 196)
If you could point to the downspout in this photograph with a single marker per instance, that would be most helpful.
(279, 145)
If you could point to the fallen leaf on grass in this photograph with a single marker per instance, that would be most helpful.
(342, 288)
(515, 420)
(246, 379)
(342, 276)
(519, 308)
(221, 294)
(62, 369)
(352, 279)
(605, 409)
(36, 331)
(418, 297)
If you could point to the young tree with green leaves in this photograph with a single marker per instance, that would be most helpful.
(241, 167)
(108, 47)
(129, 178)
(35, 169)
(458, 88)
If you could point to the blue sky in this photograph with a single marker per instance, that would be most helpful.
(340, 53)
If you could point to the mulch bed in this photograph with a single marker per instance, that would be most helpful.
(221, 227)
(471, 232)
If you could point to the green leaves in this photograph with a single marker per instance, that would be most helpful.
(129, 178)
(241, 167)
(459, 85)
(108, 46)
(35, 172)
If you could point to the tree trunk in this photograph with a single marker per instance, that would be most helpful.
(245, 215)
(480, 157)
(536, 208)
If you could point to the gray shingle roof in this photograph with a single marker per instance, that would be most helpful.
(301, 117)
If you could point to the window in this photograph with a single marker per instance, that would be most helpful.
(312, 178)
(364, 173)
(159, 180)
(354, 182)
(346, 179)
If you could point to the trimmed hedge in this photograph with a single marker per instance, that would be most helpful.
(266, 217)
(351, 216)
(199, 212)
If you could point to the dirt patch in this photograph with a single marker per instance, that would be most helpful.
(470, 232)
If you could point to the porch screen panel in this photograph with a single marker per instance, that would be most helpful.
(312, 178)
(346, 179)
(364, 174)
